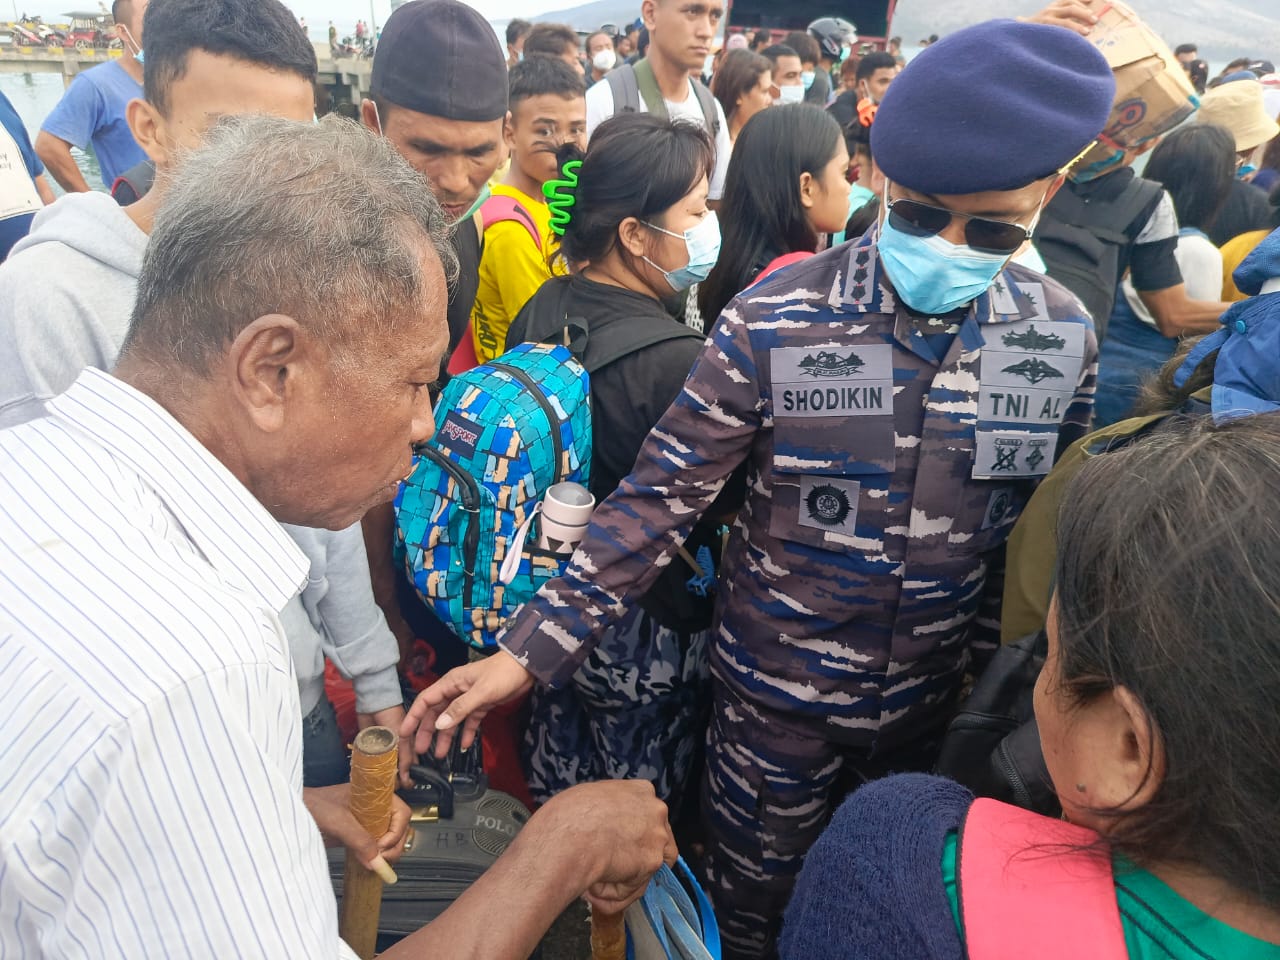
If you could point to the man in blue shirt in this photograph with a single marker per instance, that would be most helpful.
(23, 188)
(92, 110)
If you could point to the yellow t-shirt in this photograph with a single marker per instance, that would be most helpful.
(1233, 253)
(512, 268)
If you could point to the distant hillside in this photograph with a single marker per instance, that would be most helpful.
(589, 16)
(1223, 29)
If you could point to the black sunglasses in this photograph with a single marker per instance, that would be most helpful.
(925, 220)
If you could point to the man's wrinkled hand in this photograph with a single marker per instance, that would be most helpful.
(330, 807)
(625, 832)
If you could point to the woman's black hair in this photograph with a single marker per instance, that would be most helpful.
(760, 214)
(1168, 584)
(737, 74)
(637, 165)
(1196, 164)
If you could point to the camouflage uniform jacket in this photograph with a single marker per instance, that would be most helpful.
(883, 482)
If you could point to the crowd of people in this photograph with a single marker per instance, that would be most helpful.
(883, 391)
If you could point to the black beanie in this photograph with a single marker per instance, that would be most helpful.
(441, 57)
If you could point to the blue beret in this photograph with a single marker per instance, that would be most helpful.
(995, 106)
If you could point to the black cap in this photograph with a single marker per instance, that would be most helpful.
(441, 57)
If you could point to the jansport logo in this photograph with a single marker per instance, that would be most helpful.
(831, 364)
(1033, 371)
(1033, 339)
(460, 435)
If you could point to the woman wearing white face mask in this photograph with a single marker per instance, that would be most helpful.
(601, 56)
(635, 230)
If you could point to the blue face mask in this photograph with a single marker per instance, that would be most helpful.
(807, 78)
(932, 275)
(1245, 170)
(1098, 167)
(703, 244)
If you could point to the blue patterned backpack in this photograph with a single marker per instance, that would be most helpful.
(505, 432)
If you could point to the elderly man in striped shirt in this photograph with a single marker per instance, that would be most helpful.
(290, 315)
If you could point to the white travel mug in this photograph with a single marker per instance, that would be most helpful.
(566, 512)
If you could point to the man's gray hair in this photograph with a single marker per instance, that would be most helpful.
(322, 222)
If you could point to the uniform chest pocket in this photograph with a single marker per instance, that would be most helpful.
(985, 514)
(833, 443)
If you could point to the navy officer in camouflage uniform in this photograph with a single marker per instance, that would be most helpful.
(896, 400)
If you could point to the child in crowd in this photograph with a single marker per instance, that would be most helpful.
(548, 108)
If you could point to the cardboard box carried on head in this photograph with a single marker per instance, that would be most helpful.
(1153, 92)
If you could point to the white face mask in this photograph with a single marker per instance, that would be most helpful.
(791, 94)
(604, 60)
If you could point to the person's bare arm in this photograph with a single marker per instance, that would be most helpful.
(1177, 314)
(379, 527)
(604, 840)
(55, 153)
(44, 191)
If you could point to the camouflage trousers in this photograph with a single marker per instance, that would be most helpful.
(637, 709)
(769, 790)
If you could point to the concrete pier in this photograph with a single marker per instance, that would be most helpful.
(347, 78)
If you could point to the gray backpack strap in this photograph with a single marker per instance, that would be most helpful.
(707, 101)
(625, 90)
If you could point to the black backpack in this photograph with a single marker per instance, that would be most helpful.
(1086, 231)
(629, 83)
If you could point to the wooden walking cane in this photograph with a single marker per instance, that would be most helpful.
(608, 936)
(373, 783)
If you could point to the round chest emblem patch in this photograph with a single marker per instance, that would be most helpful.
(1001, 503)
(828, 505)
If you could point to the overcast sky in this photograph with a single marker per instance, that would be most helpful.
(343, 13)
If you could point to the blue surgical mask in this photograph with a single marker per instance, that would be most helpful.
(807, 78)
(793, 94)
(1245, 170)
(932, 275)
(1098, 167)
(703, 245)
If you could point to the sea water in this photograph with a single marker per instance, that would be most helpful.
(34, 95)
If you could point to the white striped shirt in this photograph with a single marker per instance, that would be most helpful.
(150, 736)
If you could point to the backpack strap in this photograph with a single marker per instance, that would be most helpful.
(549, 321)
(1135, 205)
(1030, 888)
(620, 340)
(134, 184)
(708, 103)
(654, 102)
(625, 90)
(500, 208)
